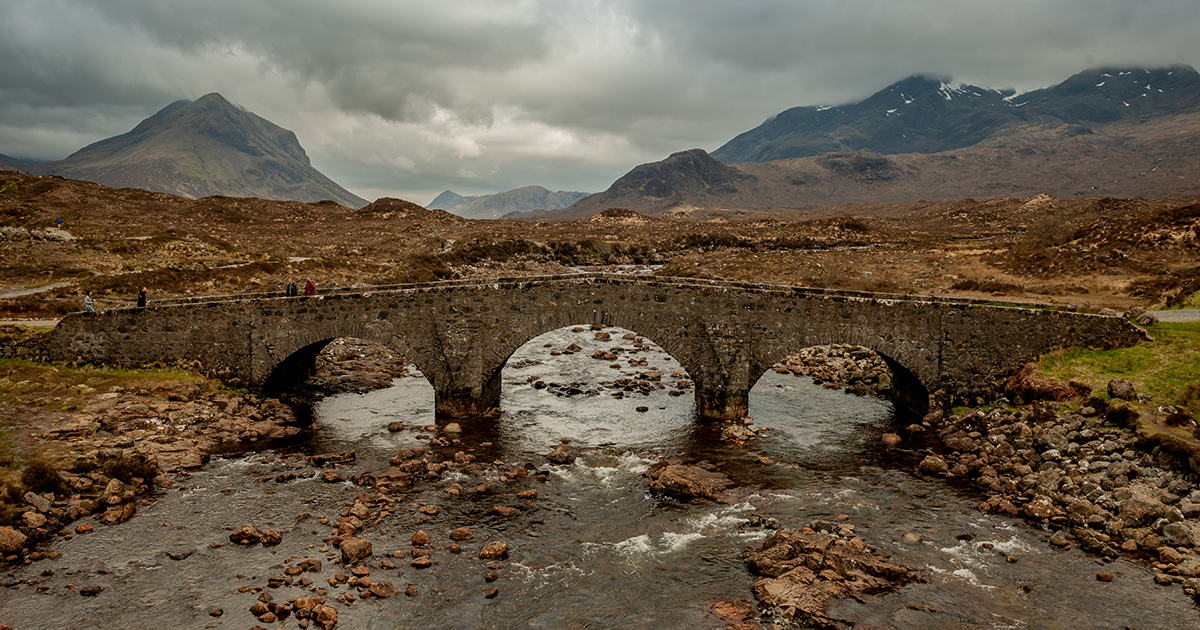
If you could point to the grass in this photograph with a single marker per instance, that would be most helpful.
(1167, 368)
(44, 390)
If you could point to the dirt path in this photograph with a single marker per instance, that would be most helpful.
(1180, 315)
(37, 323)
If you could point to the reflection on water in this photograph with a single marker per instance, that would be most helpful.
(598, 550)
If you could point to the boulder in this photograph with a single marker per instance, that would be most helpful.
(11, 540)
(1137, 511)
(355, 549)
(561, 455)
(933, 464)
(494, 550)
(462, 533)
(38, 501)
(1121, 388)
(383, 590)
(34, 520)
(687, 482)
(1178, 534)
(247, 534)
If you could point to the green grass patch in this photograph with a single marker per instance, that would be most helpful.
(65, 387)
(1167, 368)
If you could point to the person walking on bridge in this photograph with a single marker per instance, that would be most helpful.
(141, 302)
(290, 291)
(310, 287)
(89, 304)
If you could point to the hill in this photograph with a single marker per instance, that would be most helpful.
(525, 199)
(202, 148)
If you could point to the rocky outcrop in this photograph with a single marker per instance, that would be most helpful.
(1092, 480)
(803, 570)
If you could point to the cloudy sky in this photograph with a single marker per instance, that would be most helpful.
(409, 98)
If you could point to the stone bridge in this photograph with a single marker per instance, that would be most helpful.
(461, 333)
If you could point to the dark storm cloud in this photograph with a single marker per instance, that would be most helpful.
(408, 98)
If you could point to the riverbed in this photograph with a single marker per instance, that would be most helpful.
(595, 548)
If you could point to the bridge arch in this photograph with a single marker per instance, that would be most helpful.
(909, 372)
(285, 350)
(674, 337)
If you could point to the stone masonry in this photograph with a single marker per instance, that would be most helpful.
(461, 333)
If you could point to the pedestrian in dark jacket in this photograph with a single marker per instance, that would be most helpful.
(141, 303)
(291, 289)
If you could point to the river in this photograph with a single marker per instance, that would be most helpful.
(596, 549)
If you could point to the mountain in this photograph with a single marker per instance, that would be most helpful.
(928, 115)
(202, 148)
(526, 199)
(685, 177)
(1104, 132)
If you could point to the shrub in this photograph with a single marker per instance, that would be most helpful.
(127, 466)
(41, 476)
(1029, 387)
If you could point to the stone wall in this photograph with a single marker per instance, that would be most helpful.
(725, 334)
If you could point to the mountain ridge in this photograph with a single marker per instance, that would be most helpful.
(923, 114)
(1077, 138)
(494, 206)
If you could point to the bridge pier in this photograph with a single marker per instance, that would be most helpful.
(717, 405)
(458, 400)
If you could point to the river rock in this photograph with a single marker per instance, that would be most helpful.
(383, 590)
(803, 571)
(38, 501)
(687, 482)
(1178, 534)
(890, 439)
(495, 550)
(1137, 511)
(271, 537)
(561, 455)
(933, 464)
(11, 540)
(247, 534)
(325, 616)
(1121, 388)
(355, 549)
(421, 538)
(462, 533)
(34, 520)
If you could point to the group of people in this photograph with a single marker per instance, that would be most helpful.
(310, 287)
(89, 303)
